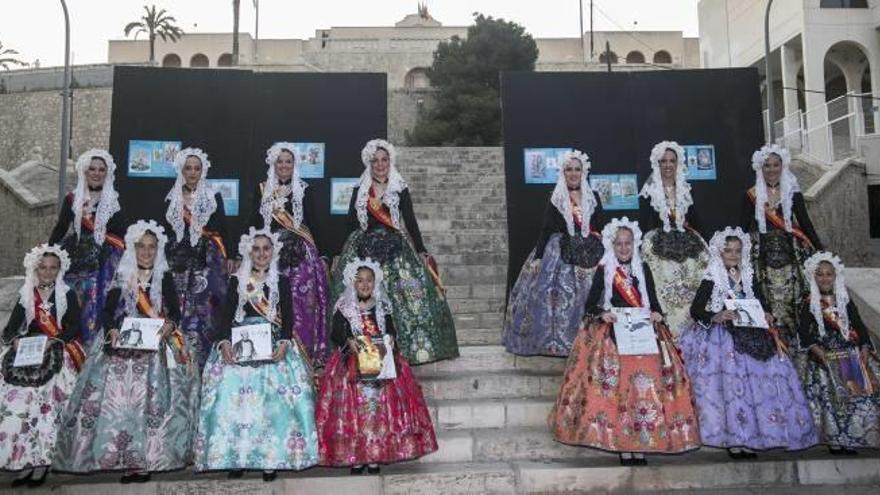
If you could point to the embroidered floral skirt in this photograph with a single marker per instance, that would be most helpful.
(30, 417)
(201, 290)
(678, 262)
(379, 422)
(91, 287)
(257, 417)
(842, 418)
(624, 403)
(129, 411)
(425, 329)
(778, 267)
(546, 305)
(302, 264)
(743, 401)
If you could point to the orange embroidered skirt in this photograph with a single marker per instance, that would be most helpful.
(624, 403)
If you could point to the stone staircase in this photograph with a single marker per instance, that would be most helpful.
(490, 407)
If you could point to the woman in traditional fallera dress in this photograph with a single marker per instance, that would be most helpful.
(783, 237)
(547, 301)
(747, 391)
(133, 410)
(384, 228)
(369, 422)
(95, 244)
(32, 397)
(282, 203)
(673, 247)
(841, 377)
(258, 415)
(199, 250)
(632, 404)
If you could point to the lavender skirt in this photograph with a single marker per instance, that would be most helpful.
(742, 401)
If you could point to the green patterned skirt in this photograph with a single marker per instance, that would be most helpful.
(425, 329)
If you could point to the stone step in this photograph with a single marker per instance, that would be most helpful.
(476, 335)
(802, 473)
(476, 359)
(492, 385)
(510, 444)
(455, 414)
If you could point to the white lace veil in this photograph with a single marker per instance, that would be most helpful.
(203, 202)
(396, 184)
(26, 292)
(108, 204)
(653, 188)
(244, 271)
(270, 200)
(787, 181)
(560, 197)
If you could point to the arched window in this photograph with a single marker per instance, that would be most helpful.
(171, 60)
(611, 55)
(662, 57)
(417, 78)
(199, 60)
(635, 57)
(225, 60)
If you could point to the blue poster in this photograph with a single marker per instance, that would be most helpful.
(309, 159)
(340, 194)
(617, 191)
(700, 160)
(152, 158)
(228, 189)
(542, 164)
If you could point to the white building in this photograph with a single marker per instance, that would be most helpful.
(825, 65)
(404, 51)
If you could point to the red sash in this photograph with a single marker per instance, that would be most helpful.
(624, 287)
(210, 234)
(578, 217)
(88, 223)
(47, 324)
(378, 209)
(285, 219)
(260, 303)
(145, 307)
(832, 319)
(776, 219)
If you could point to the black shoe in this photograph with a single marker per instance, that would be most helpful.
(269, 476)
(373, 469)
(836, 450)
(17, 482)
(358, 469)
(37, 482)
(639, 461)
(135, 478)
(850, 452)
(737, 455)
(749, 455)
(626, 461)
(235, 474)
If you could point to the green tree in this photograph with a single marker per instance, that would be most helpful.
(156, 23)
(8, 59)
(466, 75)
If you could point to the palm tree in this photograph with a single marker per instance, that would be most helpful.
(7, 58)
(155, 23)
(236, 4)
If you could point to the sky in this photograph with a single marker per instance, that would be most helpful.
(35, 28)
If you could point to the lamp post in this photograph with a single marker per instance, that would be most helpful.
(65, 112)
(771, 131)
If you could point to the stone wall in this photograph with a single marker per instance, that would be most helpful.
(29, 119)
(837, 199)
(22, 228)
(404, 106)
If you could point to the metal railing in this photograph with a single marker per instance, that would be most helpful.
(841, 121)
